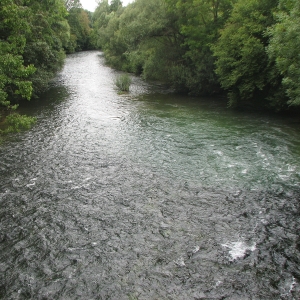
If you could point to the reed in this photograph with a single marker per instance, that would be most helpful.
(123, 82)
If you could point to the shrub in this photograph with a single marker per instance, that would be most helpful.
(123, 82)
(17, 123)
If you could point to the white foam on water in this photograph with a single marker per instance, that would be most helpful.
(219, 282)
(196, 249)
(293, 284)
(238, 249)
(180, 262)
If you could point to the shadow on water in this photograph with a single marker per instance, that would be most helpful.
(147, 196)
(54, 96)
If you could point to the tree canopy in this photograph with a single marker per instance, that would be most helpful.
(284, 47)
(243, 65)
(246, 49)
(206, 47)
(34, 36)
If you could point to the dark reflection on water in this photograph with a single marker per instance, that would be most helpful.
(147, 196)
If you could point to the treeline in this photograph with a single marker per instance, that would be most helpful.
(34, 37)
(248, 49)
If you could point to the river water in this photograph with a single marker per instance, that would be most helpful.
(147, 195)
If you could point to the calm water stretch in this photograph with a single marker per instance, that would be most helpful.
(147, 195)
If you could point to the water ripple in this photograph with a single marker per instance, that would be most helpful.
(147, 196)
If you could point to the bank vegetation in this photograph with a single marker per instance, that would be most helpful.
(248, 50)
(35, 36)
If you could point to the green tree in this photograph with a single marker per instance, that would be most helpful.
(49, 33)
(115, 4)
(148, 38)
(80, 28)
(284, 47)
(243, 66)
(198, 24)
(106, 33)
(100, 21)
(14, 73)
(165, 40)
(32, 36)
(137, 38)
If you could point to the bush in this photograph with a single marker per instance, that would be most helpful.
(123, 82)
(16, 123)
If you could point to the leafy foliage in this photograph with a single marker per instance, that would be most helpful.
(16, 123)
(44, 45)
(242, 63)
(33, 35)
(284, 47)
(80, 26)
(14, 74)
(198, 24)
(205, 46)
(164, 40)
(247, 48)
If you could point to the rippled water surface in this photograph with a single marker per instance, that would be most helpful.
(147, 195)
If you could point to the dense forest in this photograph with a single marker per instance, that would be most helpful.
(35, 35)
(248, 50)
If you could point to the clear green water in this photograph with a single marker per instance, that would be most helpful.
(147, 195)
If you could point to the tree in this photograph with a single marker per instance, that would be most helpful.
(136, 38)
(14, 73)
(49, 34)
(284, 47)
(243, 66)
(165, 40)
(115, 4)
(198, 23)
(32, 35)
(80, 27)
(148, 38)
(100, 20)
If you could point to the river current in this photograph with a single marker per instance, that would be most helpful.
(147, 195)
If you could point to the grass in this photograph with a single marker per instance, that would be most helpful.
(123, 82)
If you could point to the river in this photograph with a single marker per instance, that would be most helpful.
(147, 195)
